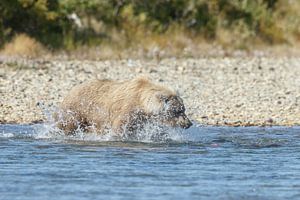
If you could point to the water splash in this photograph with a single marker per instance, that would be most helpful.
(150, 133)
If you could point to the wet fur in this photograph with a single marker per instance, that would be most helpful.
(122, 106)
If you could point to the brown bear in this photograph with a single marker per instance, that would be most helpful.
(121, 106)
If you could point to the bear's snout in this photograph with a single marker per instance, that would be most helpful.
(184, 122)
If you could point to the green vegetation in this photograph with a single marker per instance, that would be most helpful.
(235, 23)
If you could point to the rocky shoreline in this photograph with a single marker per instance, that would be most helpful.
(245, 91)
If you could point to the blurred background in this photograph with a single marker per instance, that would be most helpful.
(114, 28)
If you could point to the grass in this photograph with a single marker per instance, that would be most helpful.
(25, 46)
(142, 43)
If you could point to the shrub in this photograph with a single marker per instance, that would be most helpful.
(22, 45)
(71, 23)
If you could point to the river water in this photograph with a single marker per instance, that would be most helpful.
(200, 163)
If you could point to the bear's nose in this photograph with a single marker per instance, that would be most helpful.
(188, 124)
(185, 122)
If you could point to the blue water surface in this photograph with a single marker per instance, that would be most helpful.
(205, 163)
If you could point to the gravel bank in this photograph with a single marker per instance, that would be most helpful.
(216, 91)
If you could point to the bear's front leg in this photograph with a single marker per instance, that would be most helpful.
(66, 121)
(128, 125)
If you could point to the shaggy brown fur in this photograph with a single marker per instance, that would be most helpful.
(121, 106)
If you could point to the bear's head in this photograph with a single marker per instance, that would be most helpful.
(161, 104)
(173, 111)
(166, 108)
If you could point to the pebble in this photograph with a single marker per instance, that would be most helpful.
(231, 91)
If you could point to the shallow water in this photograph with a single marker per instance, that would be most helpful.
(200, 163)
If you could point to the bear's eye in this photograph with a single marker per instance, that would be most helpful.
(163, 98)
(176, 112)
(166, 100)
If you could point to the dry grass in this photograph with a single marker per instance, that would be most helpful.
(25, 46)
(176, 43)
(148, 45)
